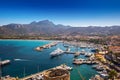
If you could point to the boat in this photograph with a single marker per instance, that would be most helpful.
(88, 54)
(99, 68)
(20, 60)
(39, 48)
(94, 66)
(103, 73)
(67, 50)
(17, 59)
(76, 54)
(82, 52)
(4, 62)
(56, 52)
(63, 66)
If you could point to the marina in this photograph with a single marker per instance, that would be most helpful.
(39, 61)
(84, 61)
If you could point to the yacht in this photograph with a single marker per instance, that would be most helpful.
(88, 54)
(56, 52)
(82, 52)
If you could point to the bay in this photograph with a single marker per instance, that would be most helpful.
(23, 56)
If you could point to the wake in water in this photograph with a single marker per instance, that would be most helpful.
(21, 60)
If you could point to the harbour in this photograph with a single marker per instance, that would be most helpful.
(36, 61)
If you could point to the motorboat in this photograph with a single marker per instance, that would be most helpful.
(68, 49)
(88, 54)
(82, 52)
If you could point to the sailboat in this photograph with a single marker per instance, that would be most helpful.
(77, 53)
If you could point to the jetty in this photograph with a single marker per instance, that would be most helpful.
(4, 62)
(84, 61)
(46, 46)
(80, 44)
(42, 75)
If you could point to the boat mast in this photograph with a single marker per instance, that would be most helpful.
(38, 68)
(0, 69)
(24, 72)
(76, 46)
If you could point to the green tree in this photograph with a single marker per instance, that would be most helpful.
(112, 74)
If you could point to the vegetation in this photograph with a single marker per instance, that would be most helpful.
(112, 74)
(98, 41)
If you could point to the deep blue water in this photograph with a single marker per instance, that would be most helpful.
(33, 61)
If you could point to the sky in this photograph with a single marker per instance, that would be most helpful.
(66, 12)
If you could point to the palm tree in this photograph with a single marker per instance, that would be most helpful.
(116, 57)
(112, 74)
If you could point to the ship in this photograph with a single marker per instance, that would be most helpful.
(56, 52)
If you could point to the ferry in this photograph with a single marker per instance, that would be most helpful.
(56, 52)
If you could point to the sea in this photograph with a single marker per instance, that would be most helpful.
(25, 60)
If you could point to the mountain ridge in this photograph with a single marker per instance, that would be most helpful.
(47, 27)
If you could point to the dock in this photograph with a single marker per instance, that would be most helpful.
(84, 61)
(46, 46)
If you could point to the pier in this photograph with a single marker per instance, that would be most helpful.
(47, 46)
(84, 61)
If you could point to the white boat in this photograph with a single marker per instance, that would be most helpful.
(68, 50)
(17, 59)
(63, 66)
(20, 60)
(103, 73)
(82, 52)
(56, 52)
(88, 54)
(4, 62)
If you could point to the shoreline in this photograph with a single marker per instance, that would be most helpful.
(30, 39)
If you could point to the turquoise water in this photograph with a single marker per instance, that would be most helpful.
(33, 61)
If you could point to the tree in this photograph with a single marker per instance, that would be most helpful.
(112, 74)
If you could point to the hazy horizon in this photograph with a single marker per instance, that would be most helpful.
(77, 13)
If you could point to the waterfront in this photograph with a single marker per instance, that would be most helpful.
(23, 56)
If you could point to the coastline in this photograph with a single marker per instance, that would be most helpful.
(41, 59)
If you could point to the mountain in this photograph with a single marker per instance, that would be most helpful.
(48, 28)
(44, 27)
(94, 30)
